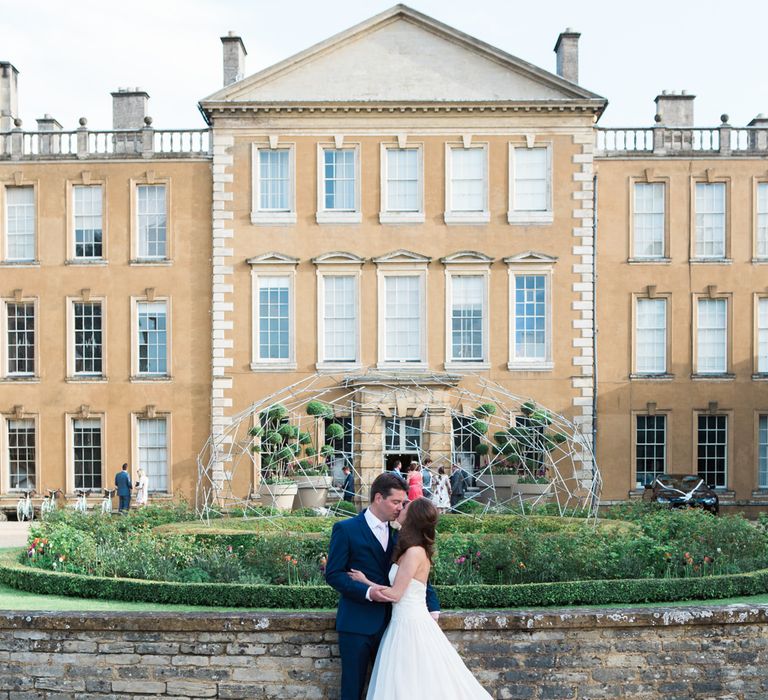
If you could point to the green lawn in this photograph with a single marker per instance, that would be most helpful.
(12, 599)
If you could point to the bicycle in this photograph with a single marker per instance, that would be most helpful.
(81, 504)
(106, 503)
(48, 504)
(25, 510)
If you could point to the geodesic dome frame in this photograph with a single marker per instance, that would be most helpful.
(325, 421)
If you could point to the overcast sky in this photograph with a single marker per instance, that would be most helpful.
(71, 55)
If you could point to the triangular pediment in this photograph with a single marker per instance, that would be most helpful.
(272, 258)
(401, 56)
(530, 256)
(402, 256)
(465, 257)
(338, 257)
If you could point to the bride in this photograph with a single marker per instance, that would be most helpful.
(415, 658)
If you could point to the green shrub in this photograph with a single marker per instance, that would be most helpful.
(485, 410)
(334, 431)
(343, 508)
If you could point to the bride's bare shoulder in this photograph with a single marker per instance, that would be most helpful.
(416, 553)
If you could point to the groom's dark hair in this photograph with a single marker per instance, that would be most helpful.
(385, 483)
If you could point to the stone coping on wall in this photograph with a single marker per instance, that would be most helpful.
(492, 620)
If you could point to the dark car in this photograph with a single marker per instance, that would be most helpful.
(683, 491)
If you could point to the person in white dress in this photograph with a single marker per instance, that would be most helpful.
(142, 488)
(441, 491)
(415, 659)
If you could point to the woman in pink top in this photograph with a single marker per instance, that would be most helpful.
(415, 482)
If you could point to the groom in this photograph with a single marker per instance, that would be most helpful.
(365, 543)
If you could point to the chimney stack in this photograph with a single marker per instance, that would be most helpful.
(234, 58)
(567, 50)
(9, 95)
(674, 109)
(129, 107)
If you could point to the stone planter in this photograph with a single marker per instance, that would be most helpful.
(532, 489)
(278, 496)
(312, 491)
(504, 485)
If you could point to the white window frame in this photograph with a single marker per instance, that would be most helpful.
(636, 332)
(136, 375)
(525, 270)
(272, 217)
(459, 364)
(761, 335)
(535, 217)
(278, 267)
(73, 257)
(389, 216)
(324, 363)
(726, 336)
(726, 227)
(4, 355)
(727, 415)
(335, 216)
(452, 216)
(5, 461)
(636, 416)
(34, 260)
(761, 220)
(634, 254)
(70, 419)
(135, 441)
(136, 257)
(72, 375)
(419, 272)
(762, 446)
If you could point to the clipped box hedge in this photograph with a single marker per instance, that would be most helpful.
(15, 574)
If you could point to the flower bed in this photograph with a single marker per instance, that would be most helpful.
(495, 561)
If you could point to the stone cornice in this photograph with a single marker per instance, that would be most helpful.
(245, 109)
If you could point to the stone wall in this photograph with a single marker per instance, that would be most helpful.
(717, 652)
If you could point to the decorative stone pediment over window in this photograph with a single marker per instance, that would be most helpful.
(338, 257)
(401, 257)
(531, 256)
(273, 259)
(467, 257)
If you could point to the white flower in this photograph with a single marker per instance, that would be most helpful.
(395, 525)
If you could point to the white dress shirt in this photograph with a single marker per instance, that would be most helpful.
(379, 528)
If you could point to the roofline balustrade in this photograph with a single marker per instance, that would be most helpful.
(83, 143)
(705, 142)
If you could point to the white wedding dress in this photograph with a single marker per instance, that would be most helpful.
(415, 659)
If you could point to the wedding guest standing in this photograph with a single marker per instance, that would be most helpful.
(415, 483)
(142, 488)
(123, 484)
(441, 495)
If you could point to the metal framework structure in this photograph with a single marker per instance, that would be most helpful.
(482, 426)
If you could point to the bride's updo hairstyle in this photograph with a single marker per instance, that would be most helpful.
(418, 530)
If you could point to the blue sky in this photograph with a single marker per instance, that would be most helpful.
(72, 55)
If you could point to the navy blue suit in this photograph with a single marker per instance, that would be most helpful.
(360, 622)
(123, 483)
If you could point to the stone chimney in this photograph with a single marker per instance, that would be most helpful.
(49, 139)
(567, 50)
(129, 107)
(48, 123)
(674, 109)
(234, 58)
(9, 97)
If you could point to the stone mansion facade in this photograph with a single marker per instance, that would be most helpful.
(441, 208)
